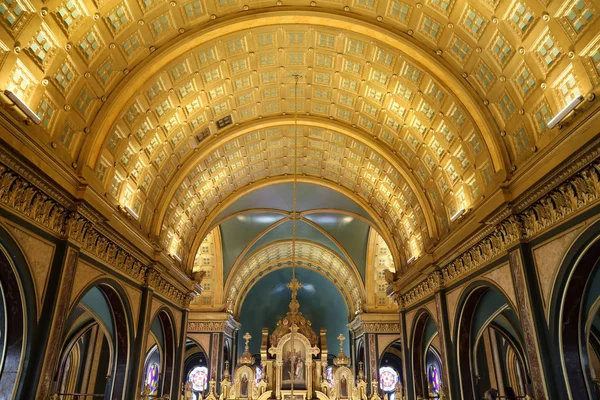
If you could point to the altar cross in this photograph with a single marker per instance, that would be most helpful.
(341, 338)
(294, 285)
(247, 337)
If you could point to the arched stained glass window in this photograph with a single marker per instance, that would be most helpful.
(152, 377)
(433, 378)
(388, 377)
(198, 377)
(258, 375)
(329, 372)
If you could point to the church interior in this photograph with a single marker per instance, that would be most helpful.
(299, 200)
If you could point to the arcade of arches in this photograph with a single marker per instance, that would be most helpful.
(445, 237)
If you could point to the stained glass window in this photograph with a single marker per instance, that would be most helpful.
(433, 378)
(152, 377)
(198, 377)
(258, 375)
(329, 372)
(388, 377)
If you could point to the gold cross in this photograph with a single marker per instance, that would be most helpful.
(294, 285)
(341, 338)
(247, 336)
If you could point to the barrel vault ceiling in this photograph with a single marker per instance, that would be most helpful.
(413, 110)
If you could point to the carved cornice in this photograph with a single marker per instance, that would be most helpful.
(25, 199)
(53, 211)
(577, 193)
(374, 323)
(227, 325)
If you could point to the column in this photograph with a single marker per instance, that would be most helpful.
(138, 349)
(531, 315)
(180, 352)
(450, 377)
(407, 373)
(55, 310)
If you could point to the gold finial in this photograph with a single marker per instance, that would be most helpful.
(294, 286)
(342, 358)
(246, 358)
(341, 338)
(247, 337)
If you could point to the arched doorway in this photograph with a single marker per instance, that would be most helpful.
(160, 355)
(195, 369)
(575, 316)
(17, 317)
(426, 359)
(95, 350)
(490, 345)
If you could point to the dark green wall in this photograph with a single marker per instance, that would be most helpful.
(320, 302)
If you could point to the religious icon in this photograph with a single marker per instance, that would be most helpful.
(244, 385)
(293, 367)
(343, 387)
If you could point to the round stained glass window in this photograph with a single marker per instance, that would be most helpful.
(388, 377)
(152, 377)
(199, 378)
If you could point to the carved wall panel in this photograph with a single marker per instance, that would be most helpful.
(39, 254)
(548, 257)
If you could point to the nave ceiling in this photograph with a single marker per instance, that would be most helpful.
(414, 110)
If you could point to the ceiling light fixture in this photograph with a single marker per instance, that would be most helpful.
(565, 111)
(22, 106)
(457, 214)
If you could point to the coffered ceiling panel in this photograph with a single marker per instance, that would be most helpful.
(453, 93)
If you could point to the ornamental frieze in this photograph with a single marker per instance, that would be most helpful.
(572, 196)
(23, 198)
(227, 326)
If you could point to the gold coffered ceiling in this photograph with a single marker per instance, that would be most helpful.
(417, 108)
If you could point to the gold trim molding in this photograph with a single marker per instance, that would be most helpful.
(579, 190)
(25, 193)
(222, 322)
